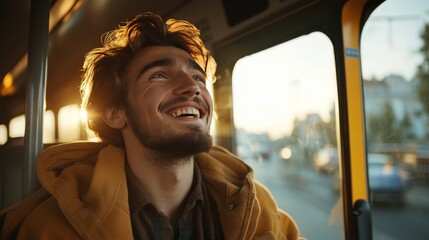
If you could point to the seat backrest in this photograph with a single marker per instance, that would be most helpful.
(11, 165)
(11, 169)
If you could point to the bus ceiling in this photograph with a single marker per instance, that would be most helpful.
(75, 27)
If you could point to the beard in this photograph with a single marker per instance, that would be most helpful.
(170, 146)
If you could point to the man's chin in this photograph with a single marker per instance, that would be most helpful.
(180, 145)
(191, 144)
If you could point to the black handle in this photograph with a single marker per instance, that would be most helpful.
(362, 214)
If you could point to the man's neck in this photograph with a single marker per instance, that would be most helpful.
(166, 186)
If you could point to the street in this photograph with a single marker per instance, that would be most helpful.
(309, 198)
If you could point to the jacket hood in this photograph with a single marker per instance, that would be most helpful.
(93, 197)
(69, 170)
(88, 182)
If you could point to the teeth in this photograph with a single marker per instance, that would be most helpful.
(188, 110)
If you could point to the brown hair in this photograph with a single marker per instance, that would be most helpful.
(103, 83)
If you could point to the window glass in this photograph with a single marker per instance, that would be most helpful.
(3, 134)
(285, 128)
(17, 127)
(395, 60)
(69, 123)
(49, 127)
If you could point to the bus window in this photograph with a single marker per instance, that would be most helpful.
(285, 128)
(69, 123)
(3, 134)
(48, 127)
(395, 43)
(17, 127)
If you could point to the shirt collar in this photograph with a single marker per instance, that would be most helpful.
(137, 197)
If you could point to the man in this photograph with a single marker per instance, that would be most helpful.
(155, 175)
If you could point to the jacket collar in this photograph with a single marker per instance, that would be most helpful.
(89, 182)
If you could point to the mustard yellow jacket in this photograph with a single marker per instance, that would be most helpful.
(84, 196)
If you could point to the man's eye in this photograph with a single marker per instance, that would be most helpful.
(158, 75)
(199, 78)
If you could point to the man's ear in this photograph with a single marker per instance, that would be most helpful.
(114, 117)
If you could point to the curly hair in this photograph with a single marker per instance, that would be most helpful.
(103, 83)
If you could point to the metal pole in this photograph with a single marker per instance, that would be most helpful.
(37, 68)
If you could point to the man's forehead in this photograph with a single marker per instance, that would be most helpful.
(171, 54)
(161, 56)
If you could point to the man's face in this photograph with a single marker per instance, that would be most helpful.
(169, 107)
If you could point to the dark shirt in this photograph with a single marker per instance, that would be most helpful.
(199, 220)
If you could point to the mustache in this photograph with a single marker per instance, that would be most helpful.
(182, 99)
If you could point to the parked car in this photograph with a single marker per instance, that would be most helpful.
(326, 160)
(387, 182)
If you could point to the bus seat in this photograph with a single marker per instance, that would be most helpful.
(11, 164)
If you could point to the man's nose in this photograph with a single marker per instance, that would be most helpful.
(186, 85)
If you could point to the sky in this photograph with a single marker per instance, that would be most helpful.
(273, 87)
(392, 38)
(298, 77)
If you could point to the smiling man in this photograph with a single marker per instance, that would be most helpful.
(155, 173)
(168, 108)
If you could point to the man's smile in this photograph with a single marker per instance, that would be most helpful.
(186, 112)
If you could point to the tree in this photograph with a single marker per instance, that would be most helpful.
(423, 70)
(383, 128)
(406, 129)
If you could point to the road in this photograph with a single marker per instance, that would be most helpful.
(309, 198)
